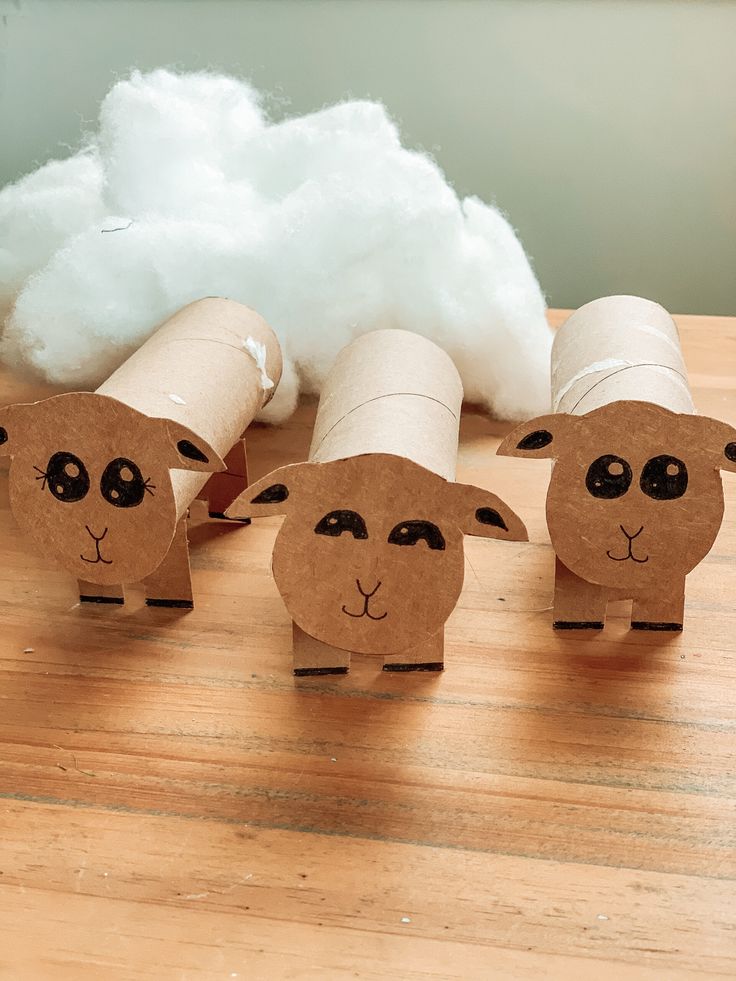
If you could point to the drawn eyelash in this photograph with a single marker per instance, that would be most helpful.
(149, 487)
(44, 476)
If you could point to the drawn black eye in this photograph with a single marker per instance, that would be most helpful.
(609, 476)
(411, 532)
(664, 478)
(122, 483)
(66, 477)
(336, 522)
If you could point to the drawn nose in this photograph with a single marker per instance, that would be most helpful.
(97, 538)
(363, 592)
(635, 535)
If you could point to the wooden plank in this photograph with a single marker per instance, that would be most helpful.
(216, 900)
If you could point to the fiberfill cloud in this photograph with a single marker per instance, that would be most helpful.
(323, 223)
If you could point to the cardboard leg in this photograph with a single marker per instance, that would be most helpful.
(92, 592)
(428, 656)
(313, 657)
(171, 584)
(222, 488)
(660, 611)
(578, 605)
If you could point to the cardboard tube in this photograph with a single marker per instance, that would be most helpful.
(618, 348)
(391, 391)
(200, 368)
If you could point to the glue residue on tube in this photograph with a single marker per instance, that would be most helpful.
(258, 352)
(659, 334)
(176, 398)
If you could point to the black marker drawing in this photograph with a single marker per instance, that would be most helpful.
(411, 532)
(98, 556)
(630, 555)
(337, 522)
(366, 600)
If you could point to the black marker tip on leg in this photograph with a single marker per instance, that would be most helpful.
(118, 600)
(172, 604)
(578, 625)
(657, 625)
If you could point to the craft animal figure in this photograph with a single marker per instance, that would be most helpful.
(102, 481)
(635, 500)
(370, 557)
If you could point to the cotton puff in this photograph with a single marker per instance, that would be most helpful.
(323, 223)
(40, 212)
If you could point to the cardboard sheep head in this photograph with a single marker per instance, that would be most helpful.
(90, 482)
(370, 555)
(635, 500)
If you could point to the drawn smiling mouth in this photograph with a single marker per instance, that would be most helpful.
(98, 556)
(366, 600)
(630, 539)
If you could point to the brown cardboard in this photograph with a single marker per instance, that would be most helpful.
(149, 440)
(370, 557)
(635, 346)
(391, 391)
(635, 500)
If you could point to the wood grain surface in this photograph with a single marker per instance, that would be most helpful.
(174, 805)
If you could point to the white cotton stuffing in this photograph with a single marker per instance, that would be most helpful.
(323, 223)
(40, 212)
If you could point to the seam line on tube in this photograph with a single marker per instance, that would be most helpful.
(638, 364)
(214, 340)
(590, 370)
(377, 398)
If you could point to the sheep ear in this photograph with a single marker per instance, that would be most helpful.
(187, 451)
(481, 513)
(272, 494)
(719, 438)
(14, 422)
(542, 437)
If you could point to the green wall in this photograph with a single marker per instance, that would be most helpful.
(606, 130)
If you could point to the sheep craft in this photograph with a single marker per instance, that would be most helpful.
(369, 558)
(102, 481)
(635, 499)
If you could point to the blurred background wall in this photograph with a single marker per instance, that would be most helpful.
(605, 129)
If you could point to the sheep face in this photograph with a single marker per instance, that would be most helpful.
(90, 482)
(370, 555)
(635, 500)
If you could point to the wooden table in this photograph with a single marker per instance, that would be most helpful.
(175, 806)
